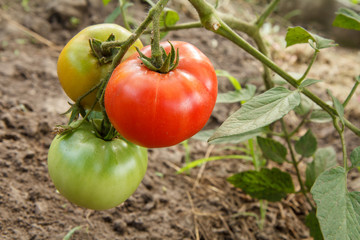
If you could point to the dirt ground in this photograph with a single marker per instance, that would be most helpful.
(199, 205)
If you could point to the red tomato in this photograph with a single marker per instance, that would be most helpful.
(152, 109)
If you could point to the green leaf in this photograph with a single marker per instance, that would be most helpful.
(113, 15)
(201, 161)
(168, 17)
(324, 159)
(171, 17)
(272, 149)
(71, 232)
(347, 18)
(306, 145)
(338, 107)
(305, 105)
(106, 2)
(320, 116)
(259, 111)
(355, 157)
(297, 35)
(238, 138)
(204, 135)
(267, 184)
(308, 82)
(244, 94)
(313, 224)
(338, 210)
(232, 79)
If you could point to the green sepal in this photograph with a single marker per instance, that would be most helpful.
(170, 61)
(104, 56)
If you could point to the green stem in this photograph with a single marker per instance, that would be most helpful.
(342, 139)
(351, 94)
(303, 121)
(269, 9)
(123, 14)
(212, 21)
(156, 53)
(294, 162)
(309, 67)
(268, 81)
(178, 27)
(253, 155)
(78, 101)
(263, 208)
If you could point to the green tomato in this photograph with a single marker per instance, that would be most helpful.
(94, 173)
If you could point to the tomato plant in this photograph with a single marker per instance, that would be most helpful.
(155, 109)
(79, 69)
(94, 173)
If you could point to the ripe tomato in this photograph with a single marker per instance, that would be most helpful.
(94, 173)
(79, 70)
(152, 109)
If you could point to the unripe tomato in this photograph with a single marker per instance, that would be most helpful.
(153, 109)
(94, 173)
(79, 70)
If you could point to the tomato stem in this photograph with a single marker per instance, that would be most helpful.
(212, 21)
(156, 52)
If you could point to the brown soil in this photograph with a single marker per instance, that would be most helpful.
(200, 205)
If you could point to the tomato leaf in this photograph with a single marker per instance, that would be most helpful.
(258, 112)
(305, 106)
(244, 94)
(338, 210)
(272, 149)
(296, 35)
(347, 18)
(338, 107)
(206, 134)
(268, 184)
(320, 116)
(308, 82)
(306, 145)
(313, 224)
(113, 15)
(232, 79)
(355, 157)
(169, 17)
(324, 159)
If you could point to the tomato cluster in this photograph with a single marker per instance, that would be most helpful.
(147, 108)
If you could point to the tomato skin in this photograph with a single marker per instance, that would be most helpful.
(94, 173)
(159, 110)
(79, 70)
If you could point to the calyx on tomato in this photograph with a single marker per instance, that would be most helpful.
(94, 173)
(169, 61)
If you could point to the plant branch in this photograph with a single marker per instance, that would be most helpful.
(211, 21)
(351, 94)
(295, 162)
(309, 67)
(269, 9)
(181, 26)
(123, 14)
(156, 52)
(342, 139)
